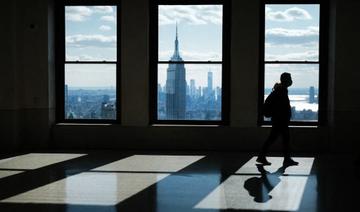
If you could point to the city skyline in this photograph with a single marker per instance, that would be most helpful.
(180, 100)
(291, 33)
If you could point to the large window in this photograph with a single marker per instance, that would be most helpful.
(188, 62)
(89, 62)
(292, 44)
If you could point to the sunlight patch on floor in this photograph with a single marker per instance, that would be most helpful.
(36, 160)
(8, 173)
(304, 168)
(285, 193)
(108, 184)
(89, 189)
(19, 164)
(151, 163)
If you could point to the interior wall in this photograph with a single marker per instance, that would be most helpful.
(27, 88)
(8, 114)
(346, 77)
(134, 90)
(26, 105)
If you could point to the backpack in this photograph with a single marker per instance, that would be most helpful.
(268, 105)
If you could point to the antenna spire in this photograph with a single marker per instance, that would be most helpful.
(176, 30)
(176, 53)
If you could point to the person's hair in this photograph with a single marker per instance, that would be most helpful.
(285, 76)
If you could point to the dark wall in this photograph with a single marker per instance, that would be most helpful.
(27, 86)
(26, 100)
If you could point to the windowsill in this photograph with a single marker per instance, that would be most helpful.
(153, 125)
(185, 125)
(292, 126)
(179, 125)
(83, 124)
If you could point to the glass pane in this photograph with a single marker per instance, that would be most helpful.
(195, 30)
(90, 33)
(304, 92)
(189, 92)
(292, 32)
(90, 91)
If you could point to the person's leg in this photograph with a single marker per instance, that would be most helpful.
(269, 141)
(286, 141)
(288, 161)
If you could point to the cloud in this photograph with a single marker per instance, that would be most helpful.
(192, 15)
(80, 40)
(291, 14)
(87, 57)
(82, 13)
(306, 55)
(109, 18)
(104, 28)
(80, 58)
(77, 13)
(103, 9)
(282, 36)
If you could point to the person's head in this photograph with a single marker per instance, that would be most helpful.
(285, 79)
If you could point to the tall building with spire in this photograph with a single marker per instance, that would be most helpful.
(175, 86)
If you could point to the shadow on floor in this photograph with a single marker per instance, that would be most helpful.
(181, 191)
(260, 187)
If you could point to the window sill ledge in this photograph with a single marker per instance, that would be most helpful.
(293, 126)
(186, 125)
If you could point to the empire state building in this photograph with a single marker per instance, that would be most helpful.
(175, 86)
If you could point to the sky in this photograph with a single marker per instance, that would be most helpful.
(90, 36)
(291, 33)
(200, 39)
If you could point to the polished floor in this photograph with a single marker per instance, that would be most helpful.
(196, 182)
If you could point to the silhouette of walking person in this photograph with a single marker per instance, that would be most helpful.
(260, 187)
(280, 119)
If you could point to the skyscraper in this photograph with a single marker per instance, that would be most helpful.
(210, 84)
(66, 101)
(175, 86)
(312, 94)
(192, 88)
(218, 94)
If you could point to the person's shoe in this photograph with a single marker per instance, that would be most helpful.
(290, 162)
(262, 160)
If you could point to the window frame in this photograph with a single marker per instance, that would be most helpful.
(60, 59)
(154, 62)
(322, 62)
